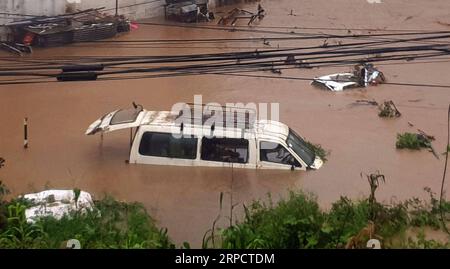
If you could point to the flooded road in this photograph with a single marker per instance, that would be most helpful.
(186, 199)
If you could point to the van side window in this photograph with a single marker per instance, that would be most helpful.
(275, 153)
(165, 145)
(234, 150)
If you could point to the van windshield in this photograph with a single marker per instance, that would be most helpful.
(300, 147)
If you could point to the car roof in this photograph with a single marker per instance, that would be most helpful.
(165, 121)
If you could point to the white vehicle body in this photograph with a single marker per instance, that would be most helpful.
(363, 76)
(56, 203)
(155, 142)
(336, 82)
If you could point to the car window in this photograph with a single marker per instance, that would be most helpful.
(165, 145)
(125, 116)
(300, 147)
(275, 153)
(233, 150)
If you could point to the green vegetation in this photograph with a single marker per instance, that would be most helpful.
(3, 211)
(298, 222)
(318, 150)
(412, 141)
(111, 224)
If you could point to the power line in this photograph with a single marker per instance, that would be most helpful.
(230, 73)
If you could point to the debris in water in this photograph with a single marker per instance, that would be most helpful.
(290, 59)
(367, 102)
(276, 71)
(415, 141)
(430, 137)
(367, 75)
(235, 14)
(388, 110)
(15, 48)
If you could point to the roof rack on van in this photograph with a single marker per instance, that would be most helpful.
(232, 116)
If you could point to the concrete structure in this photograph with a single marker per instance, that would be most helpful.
(29, 7)
(11, 10)
(134, 9)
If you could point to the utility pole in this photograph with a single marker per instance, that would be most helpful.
(117, 8)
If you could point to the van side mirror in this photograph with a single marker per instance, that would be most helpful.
(292, 162)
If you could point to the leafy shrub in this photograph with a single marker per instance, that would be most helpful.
(3, 210)
(318, 150)
(422, 243)
(427, 213)
(411, 141)
(111, 224)
(298, 222)
(293, 223)
(19, 233)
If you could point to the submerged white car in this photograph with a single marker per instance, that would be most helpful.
(362, 76)
(160, 139)
(336, 82)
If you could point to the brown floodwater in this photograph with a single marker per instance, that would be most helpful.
(186, 199)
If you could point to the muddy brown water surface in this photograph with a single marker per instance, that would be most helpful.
(186, 199)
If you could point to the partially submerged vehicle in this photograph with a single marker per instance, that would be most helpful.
(56, 203)
(362, 76)
(169, 138)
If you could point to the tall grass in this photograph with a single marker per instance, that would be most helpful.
(111, 224)
(298, 222)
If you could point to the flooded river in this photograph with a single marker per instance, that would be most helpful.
(186, 199)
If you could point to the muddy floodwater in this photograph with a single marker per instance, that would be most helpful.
(186, 199)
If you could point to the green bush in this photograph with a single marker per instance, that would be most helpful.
(111, 224)
(318, 150)
(411, 141)
(19, 233)
(298, 222)
(293, 223)
(422, 243)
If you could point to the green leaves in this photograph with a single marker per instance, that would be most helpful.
(318, 150)
(298, 222)
(19, 233)
(112, 224)
(412, 141)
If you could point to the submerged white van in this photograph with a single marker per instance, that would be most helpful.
(168, 138)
